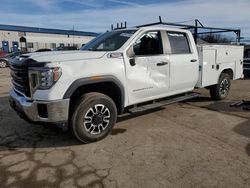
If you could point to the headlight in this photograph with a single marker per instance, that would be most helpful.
(43, 77)
(49, 77)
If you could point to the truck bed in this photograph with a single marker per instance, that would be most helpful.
(213, 59)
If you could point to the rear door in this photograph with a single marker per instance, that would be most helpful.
(184, 65)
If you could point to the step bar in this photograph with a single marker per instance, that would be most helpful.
(169, 100)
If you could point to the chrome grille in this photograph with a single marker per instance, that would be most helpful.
(20, 78)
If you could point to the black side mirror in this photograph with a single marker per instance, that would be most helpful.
(131, 55)
(132, 61)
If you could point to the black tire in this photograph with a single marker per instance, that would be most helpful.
(3, 64)
(93, 117)
(221, 90)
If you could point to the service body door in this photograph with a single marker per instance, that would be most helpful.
(148, 75)
(208, 74)
(184, 65)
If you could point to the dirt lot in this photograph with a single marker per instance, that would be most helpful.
(199, 143)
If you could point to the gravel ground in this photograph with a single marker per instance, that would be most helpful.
(199, 143)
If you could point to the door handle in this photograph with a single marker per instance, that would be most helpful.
(162, 63)
(193, 60)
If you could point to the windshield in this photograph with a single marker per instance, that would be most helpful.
(109, 41)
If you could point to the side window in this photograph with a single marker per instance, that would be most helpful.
(30, 45)
(149, 44)
(179, 43)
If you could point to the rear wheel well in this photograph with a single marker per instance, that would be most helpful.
(108, 88)
(229, 72)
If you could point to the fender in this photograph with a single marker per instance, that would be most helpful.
(94, 80)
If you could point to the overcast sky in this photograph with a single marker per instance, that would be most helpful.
(98, 15)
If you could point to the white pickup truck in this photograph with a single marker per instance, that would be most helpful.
(125, 70)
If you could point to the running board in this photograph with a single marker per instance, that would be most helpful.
(167, 101)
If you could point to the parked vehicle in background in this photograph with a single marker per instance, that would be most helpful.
(3, 54)
(44, 50)
(4, 60)
(246, 65)
(125, 70)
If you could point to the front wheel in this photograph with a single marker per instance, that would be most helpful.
(93, 118)
(221, 90)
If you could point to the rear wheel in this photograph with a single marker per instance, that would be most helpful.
(3, 64)
(221, 90)
(93, 118)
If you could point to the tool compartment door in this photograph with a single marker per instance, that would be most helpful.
(207, 58)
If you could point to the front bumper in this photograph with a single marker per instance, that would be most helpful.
(39, 111)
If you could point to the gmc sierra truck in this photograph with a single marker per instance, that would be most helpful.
(125, 70)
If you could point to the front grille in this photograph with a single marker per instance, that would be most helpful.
(20, 78)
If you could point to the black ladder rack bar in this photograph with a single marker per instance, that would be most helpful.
(198, 25)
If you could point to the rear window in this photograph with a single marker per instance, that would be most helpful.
(179, 43)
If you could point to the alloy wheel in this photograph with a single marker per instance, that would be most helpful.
(97, 119)
(224, 87)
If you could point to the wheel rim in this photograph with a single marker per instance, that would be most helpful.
(96, 119)
(224, 87)
(2, 64)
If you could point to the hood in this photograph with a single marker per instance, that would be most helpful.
(60, 56)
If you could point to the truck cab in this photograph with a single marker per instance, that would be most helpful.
(125, 70)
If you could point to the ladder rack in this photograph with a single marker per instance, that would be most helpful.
(197, 29)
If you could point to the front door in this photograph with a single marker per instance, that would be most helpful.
(148, 71)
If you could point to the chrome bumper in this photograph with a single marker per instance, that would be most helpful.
(55, 111)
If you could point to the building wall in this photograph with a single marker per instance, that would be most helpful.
(41, 40)
(9, 37)
(35, 41)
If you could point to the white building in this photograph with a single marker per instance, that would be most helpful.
(31, 39)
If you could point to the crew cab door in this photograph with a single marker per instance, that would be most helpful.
(184, 64)
(148, 70)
